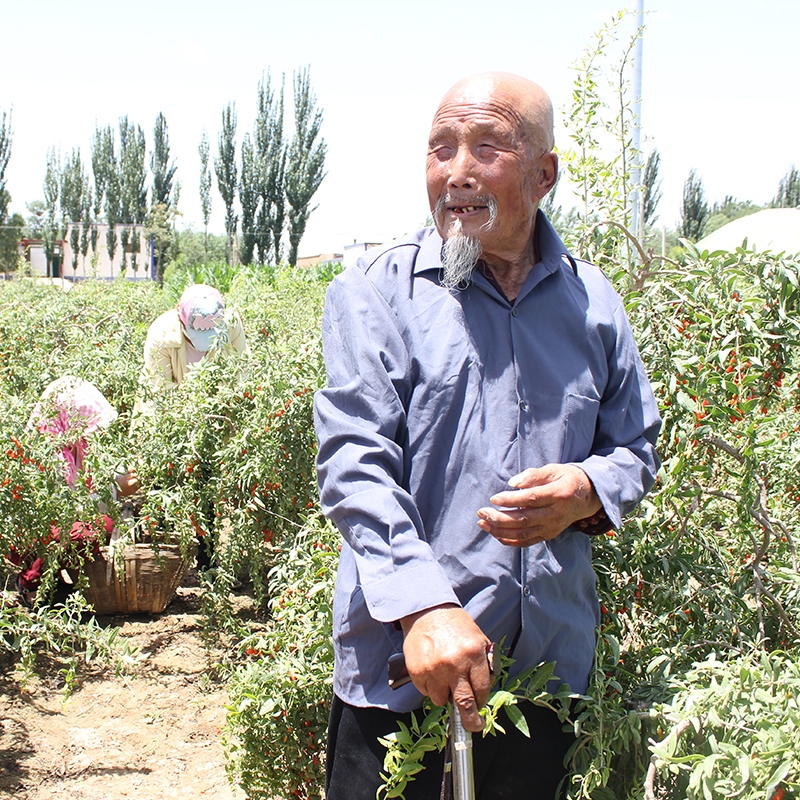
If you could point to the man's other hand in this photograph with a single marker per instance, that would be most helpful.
(445, 654)
(543, 503)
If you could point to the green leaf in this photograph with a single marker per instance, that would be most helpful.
(518, 718)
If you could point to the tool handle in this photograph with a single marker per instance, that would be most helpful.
(461, 755)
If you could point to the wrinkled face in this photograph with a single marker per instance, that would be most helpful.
(477, 151)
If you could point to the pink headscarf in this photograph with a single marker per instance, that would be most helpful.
(72, 408)
(201, 310)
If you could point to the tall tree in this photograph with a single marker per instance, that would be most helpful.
(651, 188)
(102, 164)
(133, 193)
(205, 188)
(694, 208)
(10, 235)
(51, 188)
(160, 165)
(35, 222)
(74, 187)
(306, 160)
(225, 168)
(249, 186)
(271, 159)
(5, 155)
(86, 215)
(161, 195)
(112, 192)
(788, 190)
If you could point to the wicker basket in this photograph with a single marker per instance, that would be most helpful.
(138, 581)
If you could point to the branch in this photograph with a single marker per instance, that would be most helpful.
(775, 602)
(649, 782)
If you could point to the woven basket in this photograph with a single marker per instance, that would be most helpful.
(138, 581)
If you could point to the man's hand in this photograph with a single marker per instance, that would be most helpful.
(445, 653)
(544, 502)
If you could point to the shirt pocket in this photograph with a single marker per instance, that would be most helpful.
(581, 423)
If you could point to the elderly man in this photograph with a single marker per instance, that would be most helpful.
(486, 411)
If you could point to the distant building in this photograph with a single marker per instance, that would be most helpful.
(353, 251)
(96, 264)
(318, 260)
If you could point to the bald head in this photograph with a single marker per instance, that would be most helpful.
(521, 99)
(490, 162)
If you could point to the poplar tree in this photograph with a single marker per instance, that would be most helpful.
(160, 165)
(226, 171)
(651, 188)
(788, 190)
(133, 193)
(51, 188)
(271, 159)
(249, 186)
(102, 148)
(112, 193)
(694, 208)
(74, 188)
(205, 187)
(5, 155)
(306, 160)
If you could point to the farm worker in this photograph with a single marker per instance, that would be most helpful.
(73, 410)
(183, 336)
(486, 413)
(198, 326)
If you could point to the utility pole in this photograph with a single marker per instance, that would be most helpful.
(636, 173)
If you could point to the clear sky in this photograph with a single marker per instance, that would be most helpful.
(719, 87)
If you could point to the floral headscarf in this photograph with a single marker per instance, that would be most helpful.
(72, 408)
(202, 312)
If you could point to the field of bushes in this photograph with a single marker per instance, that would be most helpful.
(695, 689)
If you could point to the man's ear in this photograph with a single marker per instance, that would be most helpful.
(548, 164)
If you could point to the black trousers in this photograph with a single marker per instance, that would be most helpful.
(507, 767)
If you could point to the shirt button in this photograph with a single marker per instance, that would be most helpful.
(514, 311)
(525, 591)
(523, 406)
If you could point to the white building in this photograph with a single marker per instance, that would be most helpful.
(96, 263)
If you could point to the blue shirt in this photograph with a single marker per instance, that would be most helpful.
(434, 400)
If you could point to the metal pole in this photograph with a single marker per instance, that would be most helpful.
(636, 175)
(461, 739)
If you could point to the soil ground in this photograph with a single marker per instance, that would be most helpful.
(154, 733)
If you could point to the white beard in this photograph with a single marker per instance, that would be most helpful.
(459, 257)
(461, 252)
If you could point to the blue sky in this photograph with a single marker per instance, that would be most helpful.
(720, 86)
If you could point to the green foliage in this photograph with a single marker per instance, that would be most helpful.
(305, 162)
(133, 194)
(51, 188)
(226, 171)
(601, 155)
(249, 186)
(75, 198)
(61, 632)
(162, 168)
(429, 727)
(727, 211)
(280, 699)
(733, 730)
(271, 161)
(651, 188)
(694, 208)
(235, 441)
(5, 155)
(10, 235)
(788, 195)
(191, 249)
(205, 180)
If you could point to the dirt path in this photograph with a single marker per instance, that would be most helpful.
(152, 734)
